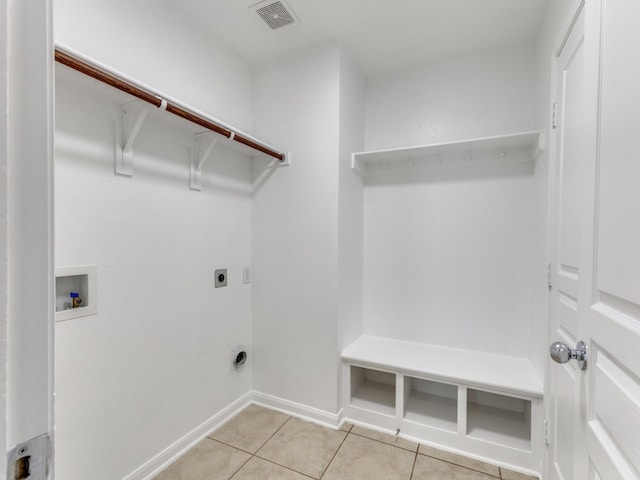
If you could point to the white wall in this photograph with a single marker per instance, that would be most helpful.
(295, 231)
(155, 362)
(447, 257)
(162, 47)
(448, 252)
(483, 95)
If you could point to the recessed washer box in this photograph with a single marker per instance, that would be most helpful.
(80, 280)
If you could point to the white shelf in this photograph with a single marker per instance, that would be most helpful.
(498, 425)
(376, 397)
(432, 410)
(512, 375)
(511, 148)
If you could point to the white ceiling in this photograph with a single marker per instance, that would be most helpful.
(381, 35)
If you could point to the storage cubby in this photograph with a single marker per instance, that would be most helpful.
(79, 280)
(373, 390)
(431, 403)
(485, 405)
(499, 419)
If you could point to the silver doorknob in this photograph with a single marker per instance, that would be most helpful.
(561, 353)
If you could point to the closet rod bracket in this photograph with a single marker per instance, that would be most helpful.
(133, 116)
(203, 144)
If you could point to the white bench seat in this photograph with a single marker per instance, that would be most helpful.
(513, 375)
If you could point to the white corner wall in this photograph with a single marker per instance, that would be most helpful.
(472, 97)
(295, 231)
(351, 205)
(350, 211)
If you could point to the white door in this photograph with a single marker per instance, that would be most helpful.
(564, 381)
(612, 288)
(27, 57)
(596, 266)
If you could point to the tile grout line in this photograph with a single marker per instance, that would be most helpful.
(464, 466)
(271, 461)
(241, 467)
(334, 455)
(272, 435)
(283, 466)
(252, 455)
(413, 468)
(229, 445)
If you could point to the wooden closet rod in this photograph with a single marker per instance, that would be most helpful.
(127, 87)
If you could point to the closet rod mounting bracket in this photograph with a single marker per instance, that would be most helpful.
(132, 118)
(203, 144)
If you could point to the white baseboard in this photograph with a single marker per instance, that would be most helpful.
(171, 454)
(304, 412)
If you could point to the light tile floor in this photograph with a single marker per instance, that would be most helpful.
(261, 444)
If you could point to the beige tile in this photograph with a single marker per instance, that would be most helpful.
(383, 437)
(510, 475)
(428, 468)
(360, 458)
(460, 460)
(258, 469)
(251, 428)
(346, 427)
(302, 446)
(208, 459)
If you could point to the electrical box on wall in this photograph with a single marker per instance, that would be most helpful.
(76, 292)
(221, 277)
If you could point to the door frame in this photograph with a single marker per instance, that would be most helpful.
(26, 218)
(558, 46)
(592, 72)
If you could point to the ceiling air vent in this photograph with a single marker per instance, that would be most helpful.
(276, 15)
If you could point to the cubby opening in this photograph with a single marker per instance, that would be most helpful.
(431, 403)
(373, 390)
(499, 419)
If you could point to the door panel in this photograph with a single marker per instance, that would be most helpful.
(564, 380)
(613, 316)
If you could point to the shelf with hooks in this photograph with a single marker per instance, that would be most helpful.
(512, 148)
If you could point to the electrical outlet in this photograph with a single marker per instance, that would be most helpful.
(221, 277)
(246, 275)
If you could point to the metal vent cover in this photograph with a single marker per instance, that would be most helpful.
(275, 15)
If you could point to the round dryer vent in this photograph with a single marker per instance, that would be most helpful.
(239, 356)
